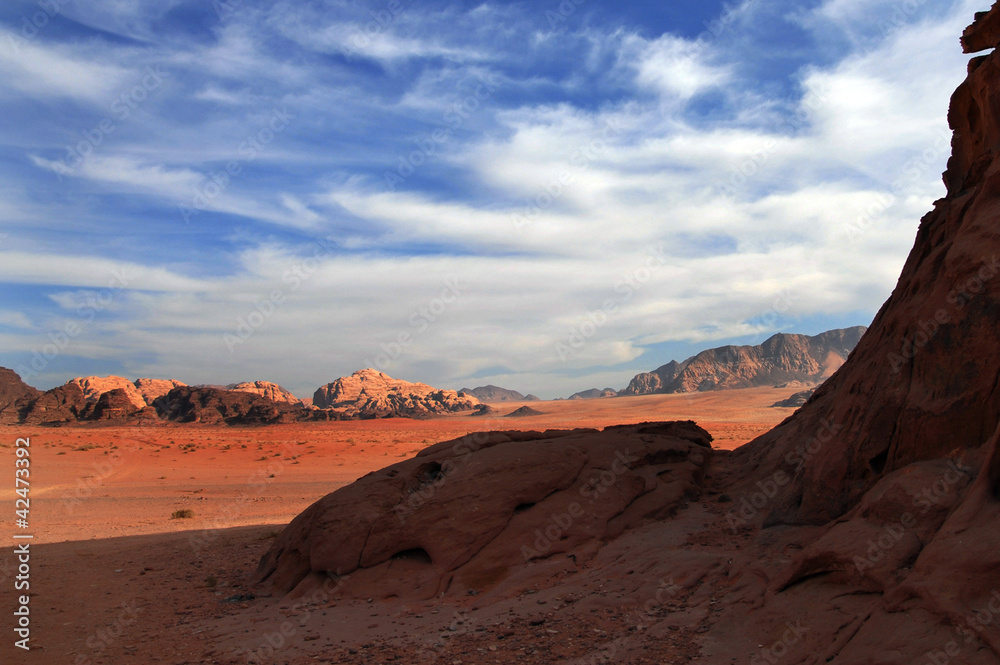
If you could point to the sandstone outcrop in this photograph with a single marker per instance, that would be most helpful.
(271, 391)
(152, 389)
(213, 406)
(463, 514)
(780, 359)
(95, 386)
(65, 404)
(369, 393)
(15, 395)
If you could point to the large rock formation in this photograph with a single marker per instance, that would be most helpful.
(491, 394)
(213, 406)
(462, 514)
(95, 386)
(65, 404)
(153, 389)
(369, 393)
(15, 394)
(271, 391)
(780, 359)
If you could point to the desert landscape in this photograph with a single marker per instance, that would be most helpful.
(827, 496)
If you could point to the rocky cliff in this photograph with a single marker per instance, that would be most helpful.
(271, 391)
(780, 359)
(369, 393)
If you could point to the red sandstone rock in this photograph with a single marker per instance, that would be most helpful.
(271, 391)
(371, 394)
(151, 389)
(95, 386)
(780, 359)
(462, 514)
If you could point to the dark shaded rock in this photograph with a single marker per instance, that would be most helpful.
(15, 396)
(494, 394)
(64, 404)
(795, 401)
(523, 412)
(594, 393)
(214, 406)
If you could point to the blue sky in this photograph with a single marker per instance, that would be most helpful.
(548, 197)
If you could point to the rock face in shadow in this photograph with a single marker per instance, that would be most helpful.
(15, 395)
(462, 514)
(213, 406)
(114, 404)
(795, 401)
(369, 393)
(780, 359)
(61, 405)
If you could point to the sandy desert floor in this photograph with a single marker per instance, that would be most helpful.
(115, 578)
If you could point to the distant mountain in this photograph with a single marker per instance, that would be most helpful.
(369, 393)
(782, 358)
(14, 394)
(594, 393)
(271, 391)
(491, 394)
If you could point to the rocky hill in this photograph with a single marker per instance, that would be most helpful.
(492, 394)
(369, 393)
(780, 359)
(95, 386)
(271, 391)
(213, 406)
(594, 393)
(151, 389)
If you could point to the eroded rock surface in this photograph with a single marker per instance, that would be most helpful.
(372, 394)
(463, 514)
